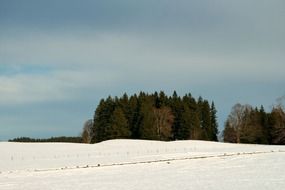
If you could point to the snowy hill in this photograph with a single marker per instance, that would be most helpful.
(137, 164)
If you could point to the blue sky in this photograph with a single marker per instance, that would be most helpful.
(58, 58)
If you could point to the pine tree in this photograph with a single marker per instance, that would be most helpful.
(177, 109)
(265, 125)
(119, 125)
(206, 121)
(186, 123)
(99, 122)
(196, 131)
(154, 116)
(134, 119)
(192, 117)
(147, 128)
(214, 124)
(102, 121)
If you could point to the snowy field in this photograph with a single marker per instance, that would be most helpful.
(134, 164)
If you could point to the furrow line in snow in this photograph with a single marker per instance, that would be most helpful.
(167, 160)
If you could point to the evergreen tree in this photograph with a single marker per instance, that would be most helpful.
(155, 117)
(99, 119)
(265, 125)
(214, 124)
(186, 123)
(134, 119)
(102, 121)
(206, 120)
(196, 131)
(162, 100)
(147, 128)
(177, 109)
(119, 125)
(192, 117)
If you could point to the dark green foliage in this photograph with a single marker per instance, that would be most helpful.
(214, 124)
(52, 139)
(186, 123)
(119, 127)
(155, 117)
(134, 121)
(177, 109)
(205, 119)
(146, 127)
(102, 119)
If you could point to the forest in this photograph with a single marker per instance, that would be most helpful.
(153, 117)
(246, 124)
(52, 139)
(160, 117)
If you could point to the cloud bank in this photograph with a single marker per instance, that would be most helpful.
(75, 53)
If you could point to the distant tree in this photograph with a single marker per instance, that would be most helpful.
(102, 119)
(160, 99)
(265, 125)
(213, 136)
(134, 117)
(252, 131)
(205, 120)
(191, 118)
(186, 123)
(52, 139)
(119, 125)
(238, 119)
(176, 105)
(196, 130)
(153, 116)
(99, 122)
(229, 133)
(277, 122)
(280, 103)
(88, 133)
(147, 128)
(163, 120)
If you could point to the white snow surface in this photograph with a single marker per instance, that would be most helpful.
(138, 164)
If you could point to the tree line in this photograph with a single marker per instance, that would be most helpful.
(153, 117)
(52, 139)
(246, 124)
(160, 117)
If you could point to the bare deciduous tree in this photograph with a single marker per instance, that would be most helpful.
(88, 133)
(279, 102)
(278, 131)
(163, 122)
(238, 118)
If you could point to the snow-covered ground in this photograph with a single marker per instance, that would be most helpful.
(135, 164)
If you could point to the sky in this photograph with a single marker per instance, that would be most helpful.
(58, 58)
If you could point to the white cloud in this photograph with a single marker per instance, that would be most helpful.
(27, 89)
(81, 61)
(56, 86)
